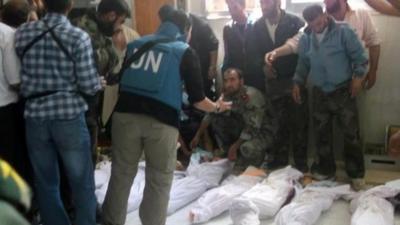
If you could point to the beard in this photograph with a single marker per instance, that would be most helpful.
(107, 27)
(333, 8)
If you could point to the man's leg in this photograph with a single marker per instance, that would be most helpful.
(127, 148)
(159, 146)
(299, 121)
(280, 149)
(349, 122)
(43, 155)
(251, 153)
(73, 144)
(324, 167)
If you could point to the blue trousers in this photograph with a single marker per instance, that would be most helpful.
(67, 140)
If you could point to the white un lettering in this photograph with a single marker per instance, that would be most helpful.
(149, 58)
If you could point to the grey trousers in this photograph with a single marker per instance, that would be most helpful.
(132, 135)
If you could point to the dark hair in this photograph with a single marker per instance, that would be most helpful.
(120, 7)
(15, 12)
(312, 12)
(59, 6)
(239, 72)
(165, 11)
(180, 19)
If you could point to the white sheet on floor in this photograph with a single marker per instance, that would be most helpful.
(371, 207)
(217, 200)
(270, 195)
(199, 178)
(308, 205)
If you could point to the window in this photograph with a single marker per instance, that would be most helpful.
(218, 8)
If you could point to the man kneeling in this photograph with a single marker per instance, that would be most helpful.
(246, 132)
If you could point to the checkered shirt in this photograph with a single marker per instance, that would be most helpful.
(46, 68)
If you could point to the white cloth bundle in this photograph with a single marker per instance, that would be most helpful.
(244, 212)
(371, 207)
(273, 192)
(217, 200)
(199, 178)
(309, 204)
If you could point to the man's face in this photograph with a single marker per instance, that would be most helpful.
(318, 24)
(111, 22)
(235, 9)
(232, 83)
(269, 7)
(332, 6)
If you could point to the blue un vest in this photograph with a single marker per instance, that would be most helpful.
(157, 73)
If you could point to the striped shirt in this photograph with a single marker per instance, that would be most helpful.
(46, 68)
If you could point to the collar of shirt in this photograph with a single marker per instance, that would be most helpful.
(54, 18)
(272, 27)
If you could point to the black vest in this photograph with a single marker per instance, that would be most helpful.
(259, 42)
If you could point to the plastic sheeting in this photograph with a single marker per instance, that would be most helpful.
(309, 204)
(371, 207)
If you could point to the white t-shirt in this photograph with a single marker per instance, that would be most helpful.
(10, 67)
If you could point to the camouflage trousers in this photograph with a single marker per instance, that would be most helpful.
(292, 131)
(341, 106)
(251, 152)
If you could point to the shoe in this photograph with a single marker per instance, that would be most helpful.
(358, 184)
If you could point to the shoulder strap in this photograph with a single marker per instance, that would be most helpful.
(59, 43)
(129, 60)
(36, 39)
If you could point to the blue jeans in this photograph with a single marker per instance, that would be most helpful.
(67, 140)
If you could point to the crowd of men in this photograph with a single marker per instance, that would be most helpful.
(57, 62)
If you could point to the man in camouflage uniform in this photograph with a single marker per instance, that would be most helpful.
(246, 132)
(335, 61)
(101, 25)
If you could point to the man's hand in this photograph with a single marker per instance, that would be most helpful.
(296, 93)
(270, 57)
(212, 72)
(369, 80)
(222, 105)
(356, 86)
(103, 82)
(394, 145)
(232, 153)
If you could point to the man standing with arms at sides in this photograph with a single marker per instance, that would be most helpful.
(334, 58)
(101, 25)
(146, 118)
(234, 35)
(57, 70)
(273, 30)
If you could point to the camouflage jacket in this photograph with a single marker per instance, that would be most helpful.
(105, 54)
(250, 113)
